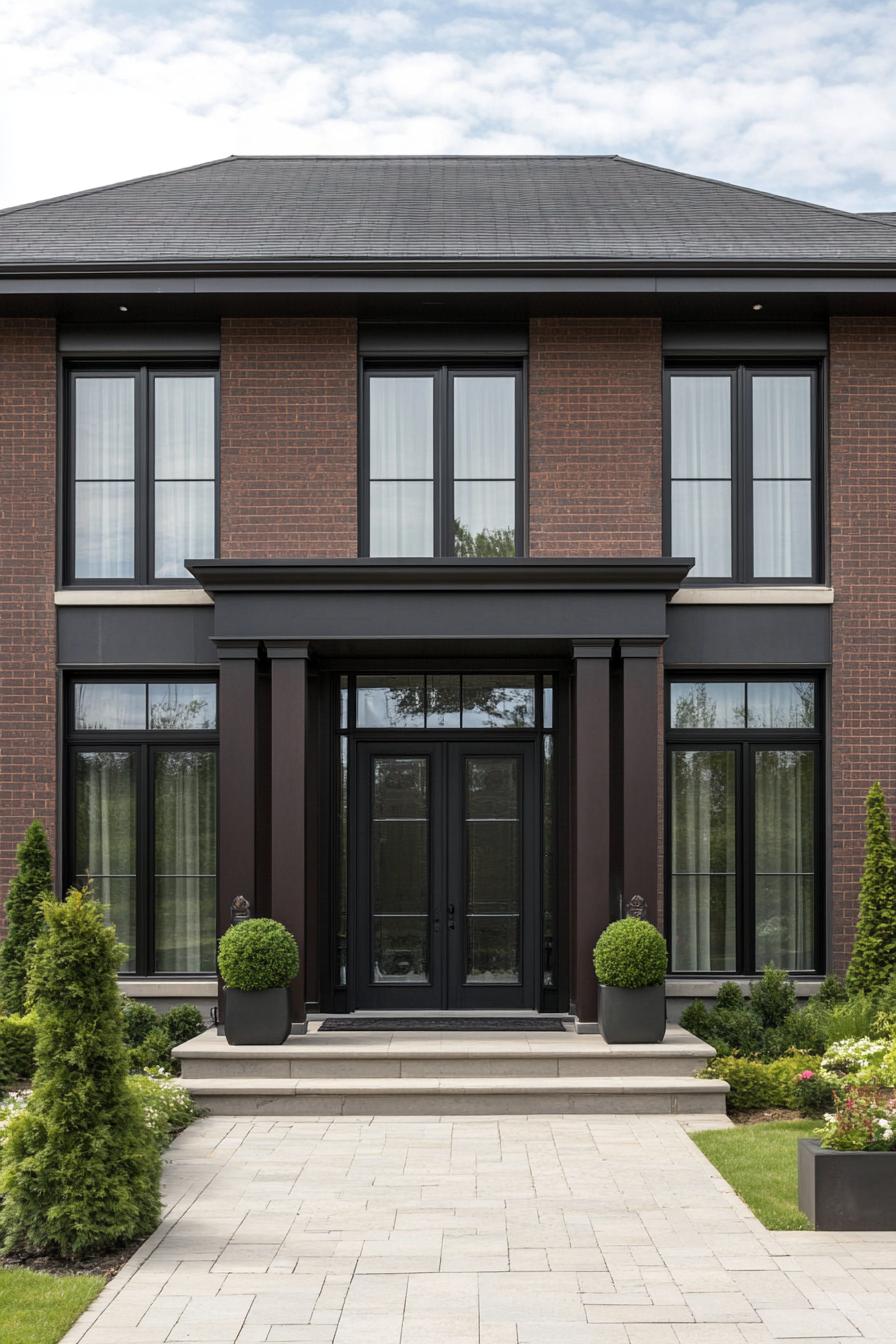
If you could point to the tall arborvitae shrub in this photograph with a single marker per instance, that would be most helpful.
(874, 952)
(79, 1170)
(30, 886)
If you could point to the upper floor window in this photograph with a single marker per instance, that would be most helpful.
(441, 462)
(142, 473)
(741, 472)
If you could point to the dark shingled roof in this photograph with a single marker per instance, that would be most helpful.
(882, 216)
(375, 210)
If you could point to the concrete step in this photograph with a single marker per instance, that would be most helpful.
(408, 1055)
(459, 1096)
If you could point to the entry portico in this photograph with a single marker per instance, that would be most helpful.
(441, 774)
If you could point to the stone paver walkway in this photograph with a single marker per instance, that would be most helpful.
(541, 1230)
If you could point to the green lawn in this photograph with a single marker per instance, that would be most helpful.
(39, 1308)
(759, 1162)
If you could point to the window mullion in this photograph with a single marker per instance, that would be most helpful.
(742, 483)
(142, 490)
(444, 467)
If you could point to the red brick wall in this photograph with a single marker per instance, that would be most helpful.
(27, 580)
(863, 572)
(289, 442)
(595, 436)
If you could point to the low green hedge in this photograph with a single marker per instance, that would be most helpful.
(757, 1085)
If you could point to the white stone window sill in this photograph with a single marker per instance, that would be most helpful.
(682, 988)
(132, 597)
(755, 595)
(157, 987)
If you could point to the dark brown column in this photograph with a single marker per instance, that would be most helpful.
(640, 777)
(289, 723)
(591, 867)
(237, 725)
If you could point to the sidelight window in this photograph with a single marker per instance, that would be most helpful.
(743, 825)
(741, 472)
(442, 462)
(142, 772)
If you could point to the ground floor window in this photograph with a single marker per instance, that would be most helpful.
(743, 825)
(142, 811)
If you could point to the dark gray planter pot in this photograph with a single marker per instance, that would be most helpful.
(257, 1017)
(846, 1192)
(633, 1016)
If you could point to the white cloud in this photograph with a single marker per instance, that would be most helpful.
(796, 97)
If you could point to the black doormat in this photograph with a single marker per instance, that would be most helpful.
(442, 1024)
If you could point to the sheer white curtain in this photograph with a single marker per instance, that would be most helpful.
(700, 431)
(401, 466)
(106, 836)
(484, 428)
(104, 478)
(785, 848)
(185, 847)
(782, 472)
(703, 848)
(184, 456)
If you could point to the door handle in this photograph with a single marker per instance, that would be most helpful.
(451, 917)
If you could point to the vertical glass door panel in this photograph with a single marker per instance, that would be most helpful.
(784, 783)
(704, 860)
(106, 837)
(493, 869)
(400, 897)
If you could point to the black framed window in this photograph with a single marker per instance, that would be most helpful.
(744, 824)
(142, 815)
(741, 452)
(442, 461)
(142, 473)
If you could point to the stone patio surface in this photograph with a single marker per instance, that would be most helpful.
(574, 1230)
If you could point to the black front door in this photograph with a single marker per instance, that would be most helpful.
(446, 897)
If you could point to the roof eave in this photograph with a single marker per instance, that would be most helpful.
(480, 266)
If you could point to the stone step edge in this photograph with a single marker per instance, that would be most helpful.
(193, 1050)
(282, 1087)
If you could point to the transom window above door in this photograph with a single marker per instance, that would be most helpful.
(742, 473)
(441, 462)
(142, 473)
(447, 700)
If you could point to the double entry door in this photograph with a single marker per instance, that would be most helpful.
(446, 896)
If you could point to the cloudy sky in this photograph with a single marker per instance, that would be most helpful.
(797, 97)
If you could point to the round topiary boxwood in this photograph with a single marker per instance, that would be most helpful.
(258, 954)
(630, 954)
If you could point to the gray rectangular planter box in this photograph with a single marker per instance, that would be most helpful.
(846, 1192)
(632, 1016)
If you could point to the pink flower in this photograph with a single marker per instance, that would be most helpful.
(806, 1075)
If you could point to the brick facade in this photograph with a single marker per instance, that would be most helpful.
(863, 572)
(27, 581)
(595, 437)
(289, 440)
